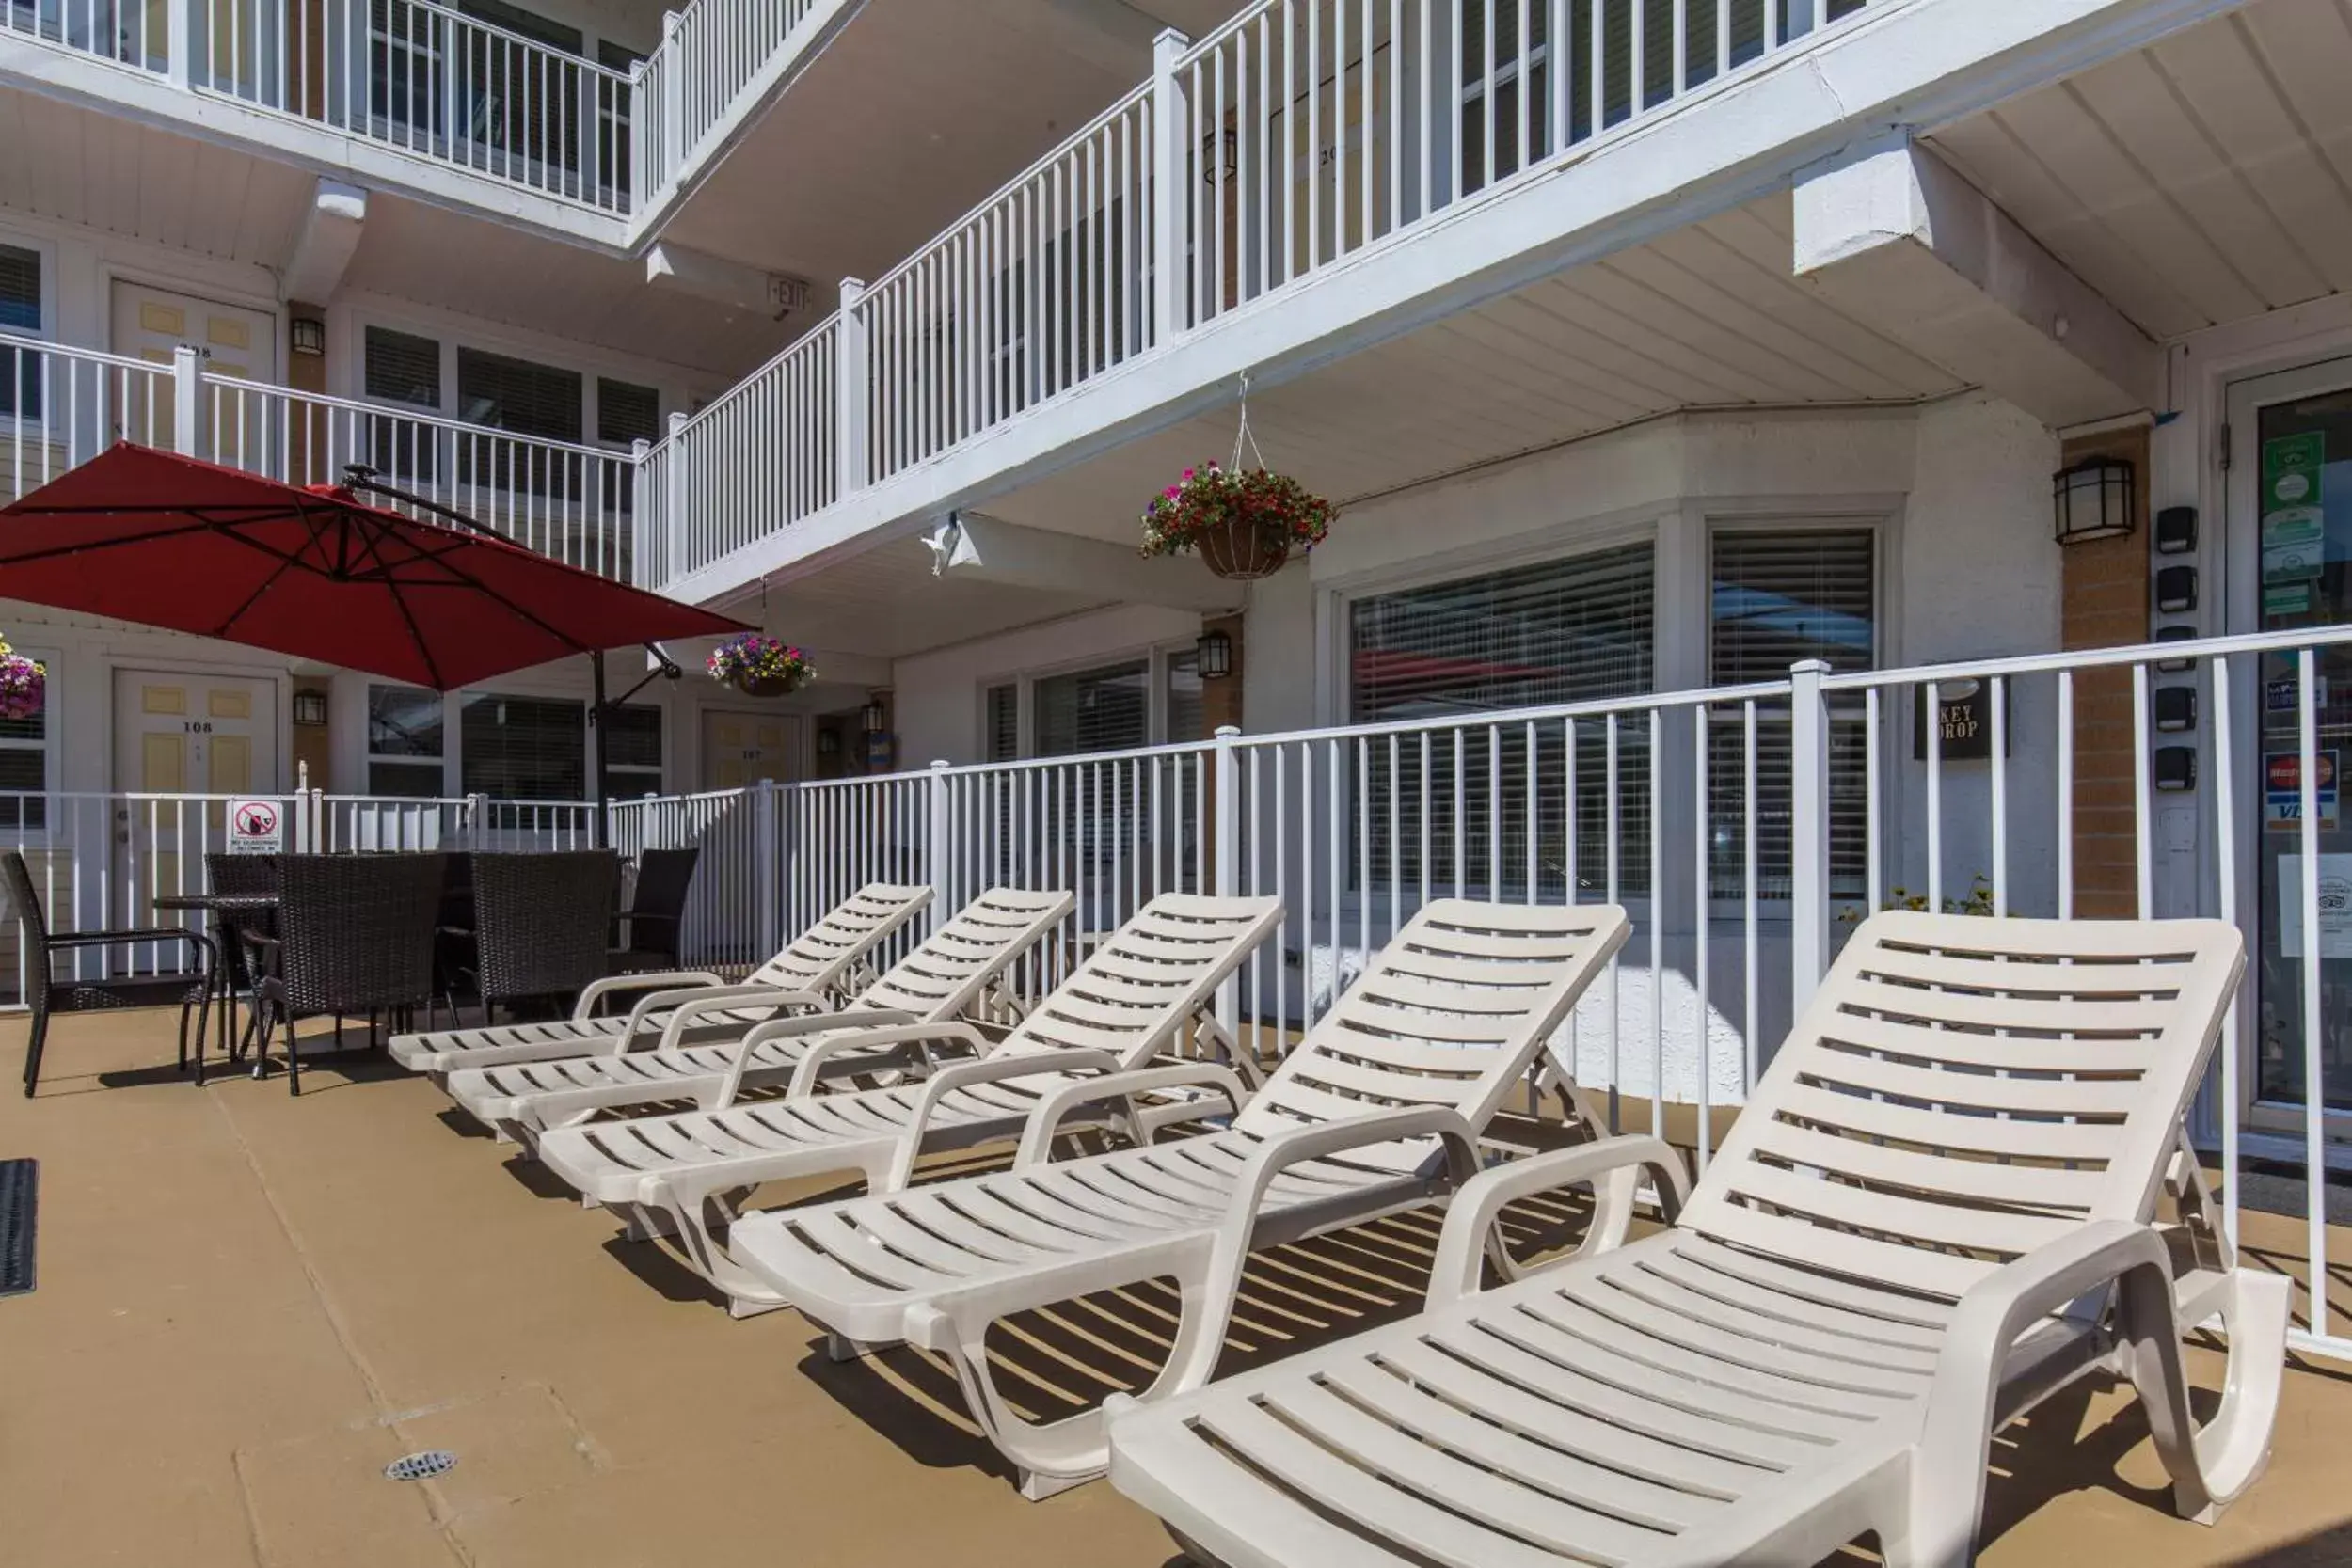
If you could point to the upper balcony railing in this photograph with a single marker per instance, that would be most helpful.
(1298, 134)
(402, 73)
(61, 407)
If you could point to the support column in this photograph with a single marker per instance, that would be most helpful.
(2106, 598)
(851, 424)
(1171, 192)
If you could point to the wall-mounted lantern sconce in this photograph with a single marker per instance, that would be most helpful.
(2096, 498)
(2176, 590)
(310, 707)
(1228, 165)
(307, 336)
(1213, 656)
(874, 718)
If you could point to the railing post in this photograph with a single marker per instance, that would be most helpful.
(180, 44)
(643, 569)
(187, 401)
(939, 845)
(767, 867)
(589, 141)
(1809, 831)
(1168, 189)
(673, 501)
(673, 108)
(1225, 804)
(850, 367)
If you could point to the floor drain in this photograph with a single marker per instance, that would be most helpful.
(416, 1467)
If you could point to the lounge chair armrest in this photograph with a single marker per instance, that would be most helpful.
(803, 1023)
(1037, 1138)
(1613, 1166)
(988, 1070)
(723, 999)
(1948, 1468)
(669, 979)
(889, 1029)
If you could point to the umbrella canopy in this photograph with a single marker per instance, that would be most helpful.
(315, 573)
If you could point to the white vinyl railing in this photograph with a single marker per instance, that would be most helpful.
(1298, 135)
(710, 54)
(135, 35)
(62, 406)
(1745, 828)
(1043, 286)
(759, 459)
(428, 81)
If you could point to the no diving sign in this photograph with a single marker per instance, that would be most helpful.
(256, 828)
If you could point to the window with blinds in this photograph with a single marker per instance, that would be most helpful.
(402, 368)
(1093, 710)
(1779, 595)
(523, 748)
(1557, 631)
(632, 751)
(1001, 714)
(1181, 698)
(528, 399)
(20, 311)
(627, 412)
(404, 731)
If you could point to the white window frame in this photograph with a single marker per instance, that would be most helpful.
(1155, 656)
(369, 757)
(47, 266)
(48, 746)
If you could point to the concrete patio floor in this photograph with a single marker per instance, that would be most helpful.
(249, 1304)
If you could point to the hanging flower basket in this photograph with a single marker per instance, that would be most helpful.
(761, 666)
(23, 685)
(1243, 522)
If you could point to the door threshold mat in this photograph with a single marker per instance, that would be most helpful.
(20, 1190)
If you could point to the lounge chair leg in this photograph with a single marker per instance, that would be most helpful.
(2220, 1460)
(685, 1218)
(840, 1347)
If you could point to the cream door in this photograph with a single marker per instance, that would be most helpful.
(179, 734)
(149, 324)
(743, 747)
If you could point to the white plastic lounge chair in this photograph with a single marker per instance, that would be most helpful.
(1376, 1111)
(824, 966)
(1964, 1135)
(943, 979)
(1130, 1000)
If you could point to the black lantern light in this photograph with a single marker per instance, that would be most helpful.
(309, 337)
(310, 707)
(2096, 498)
(874, 718)
(1213, 656)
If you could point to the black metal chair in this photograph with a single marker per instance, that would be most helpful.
(540, 922)
(657, 906)
(355, 938)
(45, 993)
(240, 874)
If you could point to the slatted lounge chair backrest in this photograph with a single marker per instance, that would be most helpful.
(945, 975)
(1146, 978)
(1962, 1089)
(821, 956)
(1450, 1014)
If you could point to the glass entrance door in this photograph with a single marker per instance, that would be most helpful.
(2290, 569)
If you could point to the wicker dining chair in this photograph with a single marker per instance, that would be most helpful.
(355, 938)
(44, 994)
(540, 922)
(241, 874)
(657, 905)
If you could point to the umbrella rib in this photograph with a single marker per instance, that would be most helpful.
(287, 561)
(90, 548)
(399, 602)
(468, 579)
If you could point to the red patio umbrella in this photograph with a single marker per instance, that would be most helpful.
(313, 572)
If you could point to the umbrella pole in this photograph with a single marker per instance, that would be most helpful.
(596, 709)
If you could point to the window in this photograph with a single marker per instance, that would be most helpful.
(632, 752)
(402, 368)
(24, 760)
(524, 747)
(1001, 709)
(1780, 596)
(404, 741)
(518, 395)
(1556, 631)
(1181, 699)
(20, 311)
(1093, 710)
(627, 412)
